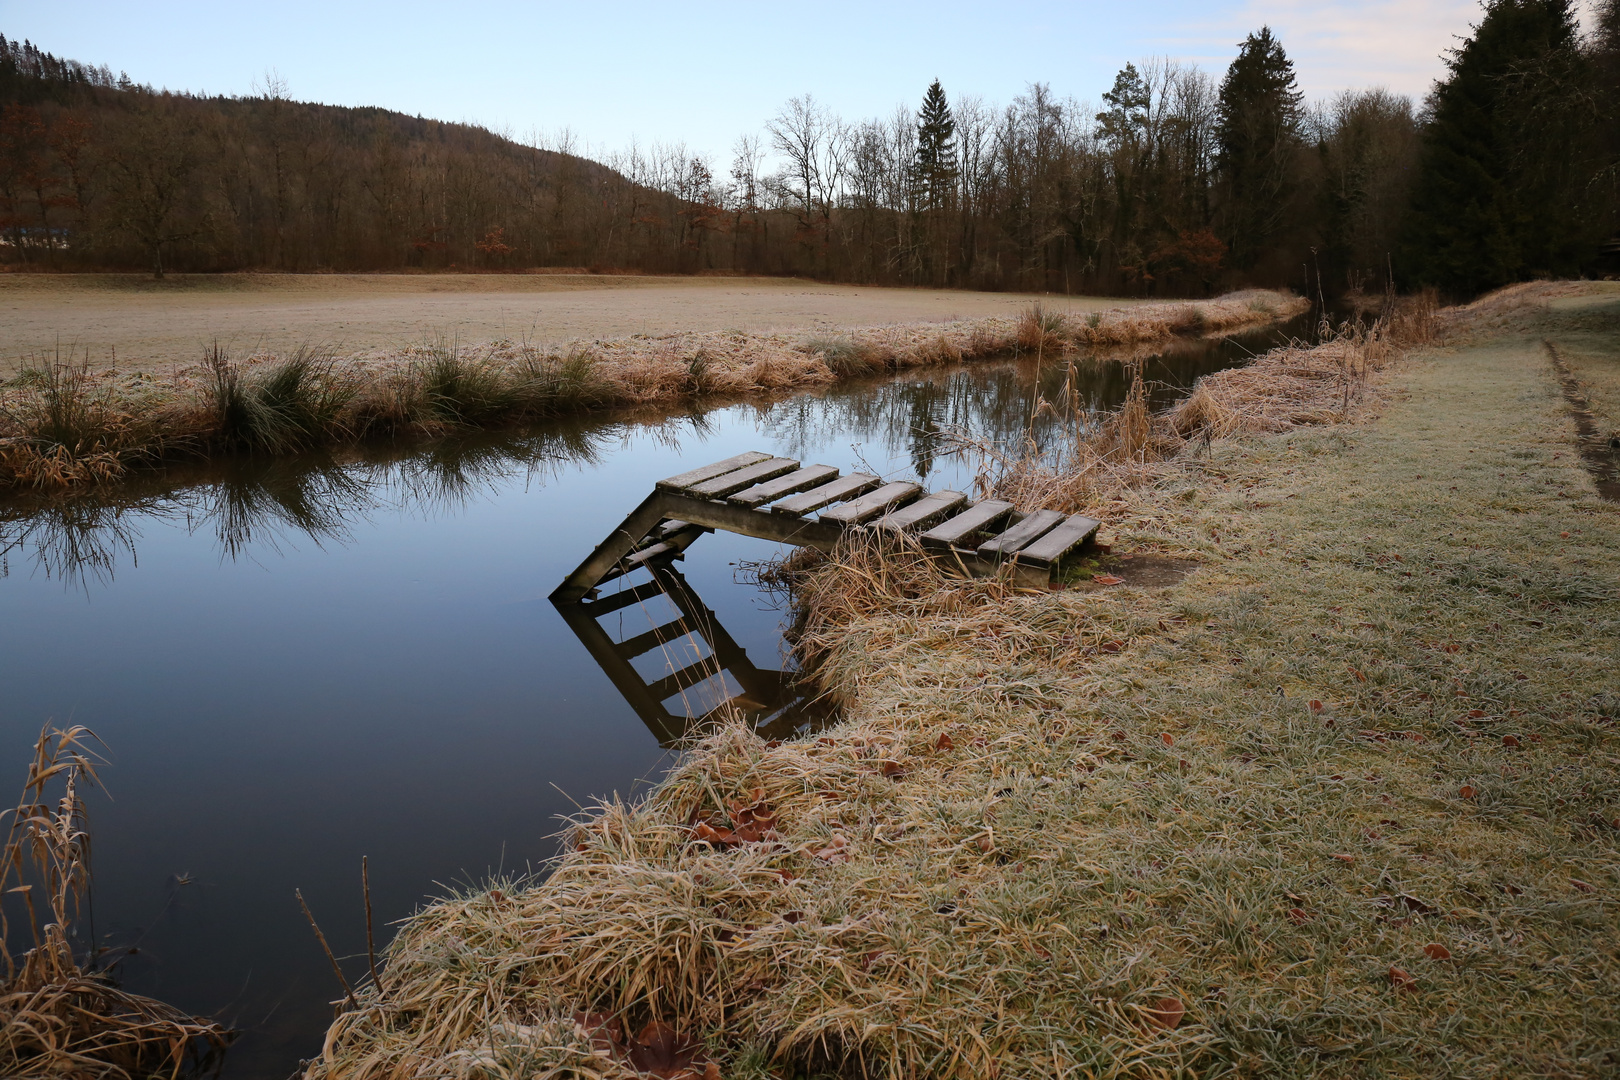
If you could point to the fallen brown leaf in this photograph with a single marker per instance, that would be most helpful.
(944, 743)
(1107, 579)
(1467, 791)
(1510, 741)
(1167, 738)
(1436, 951)
(1165, 1013)
(1401, 980)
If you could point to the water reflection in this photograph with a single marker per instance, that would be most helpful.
(1001, 404)
(695, 664)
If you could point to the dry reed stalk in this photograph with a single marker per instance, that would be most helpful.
(58, 1019)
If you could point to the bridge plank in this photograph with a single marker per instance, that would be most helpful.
(1049, 549)
(925, 511)
(682, 481)
(689, 676)
(827, 494)
(725, 484)
(657, 637)
(868, 506)
(1030, 529)
(808, 477)
(975, 519)
(640, 594)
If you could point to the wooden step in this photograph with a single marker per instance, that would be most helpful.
(958, 531)
(725, 484)
(868, 506)
(1025, 532)
(771, 490)
(1051, 548)
(843, 488)
(689, 676)
(656, 638)
(685, 480)
(638, 595)
(925, 511)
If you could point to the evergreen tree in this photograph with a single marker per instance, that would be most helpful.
(1127, 114)
(1498, 188)
(1257, 139)
(936, 168)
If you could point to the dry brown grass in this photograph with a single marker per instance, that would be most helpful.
(59, 1019)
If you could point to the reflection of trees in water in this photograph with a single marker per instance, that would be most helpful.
(80, 538)
(998, 403)
(247, 502)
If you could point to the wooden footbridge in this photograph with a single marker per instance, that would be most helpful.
(772, 498)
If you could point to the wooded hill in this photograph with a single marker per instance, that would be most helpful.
(1178, 185)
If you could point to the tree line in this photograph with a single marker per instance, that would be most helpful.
(1178, 184)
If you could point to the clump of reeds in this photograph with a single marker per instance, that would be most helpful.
(845, 357)
(280, 407)
(1043, 332)
(64, 430)
(58, 1016)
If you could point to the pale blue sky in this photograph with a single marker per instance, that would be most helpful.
(706, 73)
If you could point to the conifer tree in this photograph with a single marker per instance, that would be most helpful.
(1496, 194)
(936, 168)
(1257, 138)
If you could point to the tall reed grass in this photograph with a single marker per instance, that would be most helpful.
(59, 1015)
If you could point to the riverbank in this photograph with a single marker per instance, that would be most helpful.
(63, 425)
(1341, 800)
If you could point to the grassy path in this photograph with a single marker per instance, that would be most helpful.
(1344, 801)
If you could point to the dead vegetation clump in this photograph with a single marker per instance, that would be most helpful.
(59, 1016)
(62, 426)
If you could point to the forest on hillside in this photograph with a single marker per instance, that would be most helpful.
(1178, 184)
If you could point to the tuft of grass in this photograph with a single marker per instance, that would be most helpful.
(64, 430)
(845, 357)
(558, 385)
(1042, 331)
(284, 406)
(453, 388)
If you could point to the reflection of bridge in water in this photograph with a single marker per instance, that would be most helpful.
(702, 669)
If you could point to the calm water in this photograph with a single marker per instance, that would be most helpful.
(295, 664)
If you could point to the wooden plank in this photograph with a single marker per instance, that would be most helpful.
(925, 511)
(657, 637)
(827, 494)
(689, 676)
(1031, 528)
(808, 477)
(961, 527)
(609, 604)
(724, 485)
(869, 506)
(1059, 542)
(782, 528)
(708, 472)
(619, 543)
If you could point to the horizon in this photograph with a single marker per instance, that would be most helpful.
(656, 95)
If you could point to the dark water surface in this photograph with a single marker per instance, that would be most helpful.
(297, 663)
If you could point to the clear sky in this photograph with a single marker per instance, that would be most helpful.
(610, 70)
